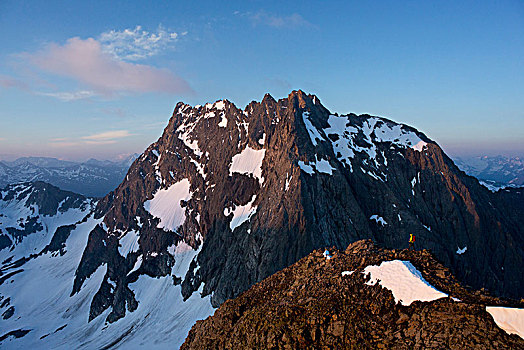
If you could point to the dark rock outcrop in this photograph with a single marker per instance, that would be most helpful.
(314, 305)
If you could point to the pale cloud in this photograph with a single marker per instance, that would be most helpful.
(119, 112)
(9, 82)
(136, 44)
(69, 96)
(107, 136)
(65, 144)
(102, 138)
(294, 20)
(86, 62)
(58, 139)
(100, 142)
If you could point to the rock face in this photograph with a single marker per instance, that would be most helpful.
(258, 189)
(321, 303)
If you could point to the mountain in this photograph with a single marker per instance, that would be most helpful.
(227, 197)
(362, 298)
(494, 172)
(30, 212)
(44, 231)
(93, 178)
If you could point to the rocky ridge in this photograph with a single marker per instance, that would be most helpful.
(326, 302)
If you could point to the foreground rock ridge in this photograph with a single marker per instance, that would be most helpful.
(227, 197)
(328, 303)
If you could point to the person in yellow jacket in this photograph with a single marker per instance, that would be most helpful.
(411, 241)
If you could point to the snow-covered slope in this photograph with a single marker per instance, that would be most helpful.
(30, 213)
(404, 280)
(37, 307)
(41, 302)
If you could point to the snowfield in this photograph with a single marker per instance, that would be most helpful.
(403, 280)
(249, 161)
(509, 319)
(40, 295)
(166, 206)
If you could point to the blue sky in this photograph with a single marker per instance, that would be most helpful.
(100, 79)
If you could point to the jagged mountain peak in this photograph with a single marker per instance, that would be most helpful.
(279, 164)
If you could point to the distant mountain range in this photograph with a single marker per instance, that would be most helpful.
(494, 172)
(93, 178)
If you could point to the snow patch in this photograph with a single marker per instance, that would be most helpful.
(403, 280)
(137, 265)
(320, 166)
(323, 166)
(241, 213)
(419, 146)
(509, 319)
(288, 181)
(378, 219)
(462, 250)
(347, 273)
(313, 132)
(223, 121)
(262, 140)
(128, 243)
(249, 161)
(165, 205)
(220, 105)
(305, 167)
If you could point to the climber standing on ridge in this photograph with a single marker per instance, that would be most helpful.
(411, 242)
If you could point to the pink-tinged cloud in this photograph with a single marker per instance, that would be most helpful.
(8, 82)
(85, 61)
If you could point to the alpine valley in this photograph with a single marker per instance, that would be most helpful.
(227, 198)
